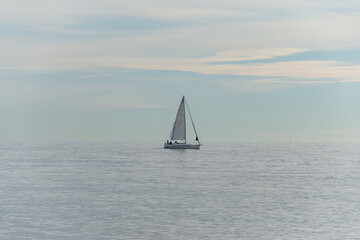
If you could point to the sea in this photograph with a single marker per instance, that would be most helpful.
(138, 190)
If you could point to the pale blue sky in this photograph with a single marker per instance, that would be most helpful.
(251, 70)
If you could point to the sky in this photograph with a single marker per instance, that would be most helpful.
(116, 70)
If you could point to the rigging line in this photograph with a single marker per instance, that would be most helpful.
(192, 120)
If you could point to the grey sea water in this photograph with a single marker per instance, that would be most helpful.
(131, 190)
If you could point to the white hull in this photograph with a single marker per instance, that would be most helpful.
(182, 146)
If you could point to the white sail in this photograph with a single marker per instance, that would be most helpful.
(179, 129)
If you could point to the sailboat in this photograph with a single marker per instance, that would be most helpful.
(178, 132)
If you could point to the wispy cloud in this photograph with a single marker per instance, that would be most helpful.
(292, 69)
(342, 71)
(242, 35)
(72, 96)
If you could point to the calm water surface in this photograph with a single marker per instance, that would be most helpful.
(123, 190)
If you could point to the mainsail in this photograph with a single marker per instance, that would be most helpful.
(178, 131)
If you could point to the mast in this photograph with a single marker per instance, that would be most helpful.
(197, 138)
